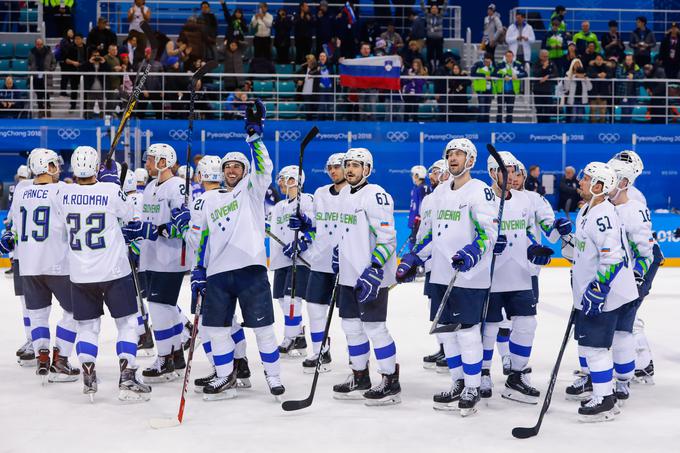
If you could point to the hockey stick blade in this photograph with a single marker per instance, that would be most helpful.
(291, 405)
(447, 328)
(309, 137)
(524, 433)
(203, 70)
(162, 423)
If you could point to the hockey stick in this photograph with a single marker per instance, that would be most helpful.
(440, 310)
(283, 244)
(203, 70)
(305, 141)
(138, 291)
(295, 405)
(525, 433)
(159, 423)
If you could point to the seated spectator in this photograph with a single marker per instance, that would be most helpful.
(574, 91)
(583, 37)
(233, 64)
(10, 105)
(520, 33)
(669, 53)
(493, 30)
(483, 85)
(41, 59)
(413, 89)
(308, 85)
(509, 71)
(626, 87)
(642, 41)
(236, 104)
(544, 88)
(555, 42)
(533, 181)
(612, 43)
(101, 37)
(569, 199)
(589, 54)
(303, 31)
(410, 53)
(261, 25)
(599, 73)
(569, 57)
(418, 30)
(435, 33)
(324, 26)
(282, 26)
(393, 40)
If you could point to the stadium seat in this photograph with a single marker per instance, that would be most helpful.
(4, 66)
(271, 109)
(246, 68)
(6, 50)
(22, 50)
(284, 69)
(28, 15)
(263, 88)
(20, 84)
(289, 110)
(425, 112)
(19, 65)
(286, 89)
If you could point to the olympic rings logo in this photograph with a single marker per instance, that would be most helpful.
(178, 134)
(68, 133)
(397, 136)
(505, 137)
(608, 137)
(290, 135)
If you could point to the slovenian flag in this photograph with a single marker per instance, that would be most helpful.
(351, 18)
(371, 72)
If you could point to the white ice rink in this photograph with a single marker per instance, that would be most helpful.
(59, 418)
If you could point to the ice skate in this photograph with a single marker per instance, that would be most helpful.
(43, 362)
(220, 388)
(275, 386)
(145, 345)
(430, 361)
(162, 370)
(199, 383)
(468, 401)
(309, 364)
(242, 373)
(294, 347)
(485, 390)
(441, 366)
(598, 409)
(580, 390)
(448, 401)
(131, 389)
(186, 335)
(89, 380)
(61, 370)
(518, 388)
(26, 355)
(622, 392)
(354, 387)
(646, 375)
(387, 392)
(178, 359)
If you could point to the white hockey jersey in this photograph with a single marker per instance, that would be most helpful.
(425, 227)
(16, 254)
(635, 194)
(40, 232)
(279, 227)
(328, 229)
(231, 223)
(92, 214)
(460, 216)
(638, 226)
(366, 223)
(541, 221)
(599, 249)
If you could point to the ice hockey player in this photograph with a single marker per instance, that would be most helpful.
(142, 177)
(462, 235)
(321, 282)
(366, 263)
(294, 343)
(231, 262)
(99, 269)
(418, 192)
(604, 290)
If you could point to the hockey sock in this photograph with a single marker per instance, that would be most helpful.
(269, 349)
(27, 319)
(40, 332)
(317, 324)
(66, 334)
(503, 342)
(88, 339)
(222, 349)
(601, 369)
(238, 336)
(140, 323)
(357, 343)
(623, 352)
(470, 344)
(165, 329)
(582, 360)
(126, 344)
(207, 347)
(383, 346)
(643, 353)
(293, 327)
(521, 340)
(488, 342)
(182, 317)
(452, 354)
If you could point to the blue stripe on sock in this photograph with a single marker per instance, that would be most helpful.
(472, 368)
(66, 335)
(583, 362)
(224, 358)
(126, 347)
(83, 347)
(317, 337)
(296, 321)
(27, 322)
(518, 349)
(385, 352)
(601, 377)
(140, 320)
(178, 328)
(164, 334)
(207, 347)
(488, 354)
(359, 349)
(623, 368)
(502, 339)
(239, 336)
(270, 357)
(40, 332)
(454, 362)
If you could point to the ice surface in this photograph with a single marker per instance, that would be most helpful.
(58, 417)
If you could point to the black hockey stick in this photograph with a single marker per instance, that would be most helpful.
(283, 244)
(440, 310)
(138, 291)
(525, 433)
(305, 141)
(295, 405)
(203, 70)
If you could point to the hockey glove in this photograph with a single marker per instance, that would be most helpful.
(198, 281)
(255, 118)
(500, 245)
(335, 261)
(466, 258)
(406, 271)
(302, 246)
(594, 298)
(7, 241)
(563, 226)
(539, 254)
(568, 247)
(180, 218)
(138, 231)
(368, 284)
(301, 223)
(108, 174)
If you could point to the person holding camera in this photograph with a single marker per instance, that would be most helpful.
(261, 25)
(95, 84)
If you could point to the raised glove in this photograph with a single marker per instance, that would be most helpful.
(198, 281)
(335, 261)
(594, 298)
(539, 255)
(466, 258)
(500, 245)
(406, 271)
(368, 284)
(106, 174)
(563, 226)
(180, 218)
(7, 241)
(138, 231)
(255, 118)
(302, 246)
(301, 223)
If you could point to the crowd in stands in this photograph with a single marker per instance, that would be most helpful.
(576, 75)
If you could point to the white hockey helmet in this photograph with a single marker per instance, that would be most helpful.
(130, 183)
(440, 165)
(85, 162)
(633, 159)
(40, 161)
(466, 146)
(182, 172)
(163, 151)
(334, 159)
(141, 175)
(235, 156)
(623, 170)
(419, 171)
(509, 160)
(521, 168)
(209, 168)
(291, 171)
(600, 172)
(361, 155)
(23, 172)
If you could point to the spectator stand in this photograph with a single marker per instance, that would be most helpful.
(20, 16)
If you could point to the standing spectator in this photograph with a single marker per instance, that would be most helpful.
(544, 88)
(520, 33)
(411, 53)
(193, 35)
(482, 85)
(533, 181)
(236, 24)
(509, 71)
(589, 55)
(583, 37)
(325, 87)
(456, 99)
(261, 25)
(76, 56)
(569, 198)
(569, 57)
(152, 94)
(9, 107)
(60, 55)
(112, 82)
(656, 92)
(435, 33)
(308, 85)
(324, 26)
(137, 13)
(174, 89)
(282, 26)
(303, 31)
(599, 73)
(233, 64)
(41, 59)
(642, 41)
(129, 47)
(418, 30)
(100, 37)
(393, 39)
(209, 22)
(612, 43)
(345, 30)
(94, 84)
(575, 87)
(179, 49)
(370, 31)
(669, 53)
(493, 30)
(413, 89)
(626, 88)
(555, 42)
(558, 14)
